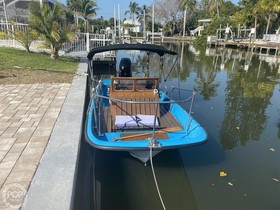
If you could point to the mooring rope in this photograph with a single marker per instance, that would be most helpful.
(154, 175)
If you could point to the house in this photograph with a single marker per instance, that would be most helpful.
(132, 25)
(18, 10)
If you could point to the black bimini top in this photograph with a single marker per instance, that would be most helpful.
(142, 47)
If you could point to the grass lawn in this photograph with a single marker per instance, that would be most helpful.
(11, 58)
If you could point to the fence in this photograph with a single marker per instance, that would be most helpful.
(6, 27)
(82, 43)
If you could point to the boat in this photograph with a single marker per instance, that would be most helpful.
(132, 113)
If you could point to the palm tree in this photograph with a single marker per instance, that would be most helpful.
(248, 15)
(215, 5)
(88, 10)
(134, 9)
(189, 4)
(50, 22)
(206, 83)
(75, 6)
(144, 11)
(269, 8)
(144, 15)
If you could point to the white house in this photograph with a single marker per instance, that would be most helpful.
(134, 25)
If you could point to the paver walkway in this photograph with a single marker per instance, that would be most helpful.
(27, 117)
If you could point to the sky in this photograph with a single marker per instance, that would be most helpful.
(106, 7)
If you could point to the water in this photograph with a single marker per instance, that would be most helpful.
(238, 104)
(239, 108)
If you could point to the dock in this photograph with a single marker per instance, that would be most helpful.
(261, 46)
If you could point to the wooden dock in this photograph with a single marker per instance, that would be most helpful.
(260, 46)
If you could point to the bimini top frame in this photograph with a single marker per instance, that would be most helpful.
(142, 47)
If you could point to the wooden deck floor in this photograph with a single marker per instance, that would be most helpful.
(166, 120)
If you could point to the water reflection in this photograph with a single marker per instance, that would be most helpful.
(243, 118)
(251, 80)
(247, 97)
(247, 94)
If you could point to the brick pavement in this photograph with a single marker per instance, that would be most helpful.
(27, 117)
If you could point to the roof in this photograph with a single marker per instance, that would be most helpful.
(205, 20)
(160, 50)
(132, 22)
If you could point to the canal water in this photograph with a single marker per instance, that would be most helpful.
(238, 104)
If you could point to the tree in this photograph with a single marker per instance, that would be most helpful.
(215, 5)
(75, 6)
(50, 22)
(144, 16)
(88, 10)
(248, 14)
(258, 14)
(189, 4)
(169, 12)
(83, 8)
(98, 24)
(144, 12)
(111, 22)
(229, 9)
(269, 8)
(134, 9)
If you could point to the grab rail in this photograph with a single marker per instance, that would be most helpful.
(146, 102)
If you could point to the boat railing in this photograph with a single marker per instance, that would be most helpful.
(146, 102)
(99, 100)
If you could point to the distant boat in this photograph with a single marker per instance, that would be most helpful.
(133, 114)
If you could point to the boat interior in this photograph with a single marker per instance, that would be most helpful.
(134, 105)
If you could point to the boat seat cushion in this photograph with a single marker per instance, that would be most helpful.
(125, 121)
(135, 120)
(147, 120)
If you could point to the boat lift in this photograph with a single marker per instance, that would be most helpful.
(244, 33)
(223, 34)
